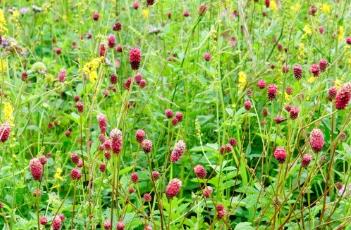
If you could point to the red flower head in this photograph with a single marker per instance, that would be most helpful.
(135, 5)
(294, 112)
(116, 140)
(313, 10)
(261, 84)
(207, 191)
(348, 40)
(111, 40)
(146, 145)
(150, 2)
(80, 106)
(135, 58)
(306, 159)
(36, 168)
(332, 93)
(96, 16)
(113, 79)
(102, 123)
(314, 69)
(272, 91)
(102, 167)
(179, 116)
(280, 154)
(134, 177)
(267, 3)
(343, 96)
(5, 130)
(247, 105)
(107, 225)
(75, 174)
(140, 135)
(178, 151)
(147, 197)
(117, 26)
(220, 211)
(297, 71)
(207, 56)
(120, 225)
(56, 223)
(233, 142)
(43, 160)
(102, 50)
(155, 175)
(316, 140)
(200, 171)
(43, 220)
(62, 75)
(173, 188)
(323, 64)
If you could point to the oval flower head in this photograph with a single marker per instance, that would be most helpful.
(317, 140)
(173, 188)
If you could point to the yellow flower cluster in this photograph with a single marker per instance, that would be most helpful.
(326, 8)
(273, 6)
(3, 65)
(307, 29)
(58, 174)
(90, 68)
(3, 28)
(7, 112)
(242, 80)
(341, 33)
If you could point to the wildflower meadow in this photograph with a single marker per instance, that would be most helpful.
(164, 114)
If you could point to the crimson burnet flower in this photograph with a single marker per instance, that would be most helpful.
(321, 30)
(56, 223)
(147, 197)
(147, 227)
(107, 225)
(102, 167)
(58, 50)
(261, 84)
(36, 168)
(294, 112)
(343, 97)
(225, 149)
(289, 90)
(75, 174)
(111, 40)
(265, 112)
(80, 106)
(207, 56)
(5, 130)
(186, 13)
(178, 151)
(306, 159)
(287, 108)
(119, 48)
(232, 142)
(107, 155)
(24, 76)
(200, 171)
(135, 58)
(323, 64)
(169, 113)
(80, 163)
(220, 211)
(62, 217)
(43, 220)
(332, 93)
(102, 123)
(348, 40)
(312, 10)
(175, 121)
(173, 188)
(272, 91)
(43, 160)
(247, 105)
(267, 3)
(279, 119)
(120, 225)
(102, 50)
(128, 83)
(146, 145)
(285, 68)
(150, 2)
(297, 71)
(142, 83)
(75, 158)
(316, 140)
(202, 9)
(207, 191)
(138, 77)
(135, 5)
(140, 135)
(96, 16)
(155, 175)
(280, 154)
(131, 190)
(62, 75)
(117, 26)
(113, 79)
(116, 140)
(314, 69)
(68, 132)
(179, 116)
(76, 98)
(134, 177)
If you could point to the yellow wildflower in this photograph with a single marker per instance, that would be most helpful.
(307, 29)
(296, 7)
(311, 79)
(3, 65)
(146, 13)
(58, 173)
(242, 80)
(8, 112)
(273, 6)
(338, 83)
(326, 8)
(90, 68)
(3, 28)
(287, 97)
(340, 33)
(301, 51)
